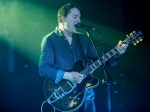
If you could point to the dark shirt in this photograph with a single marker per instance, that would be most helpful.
(58, 56)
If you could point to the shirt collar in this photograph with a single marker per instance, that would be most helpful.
(60, 33)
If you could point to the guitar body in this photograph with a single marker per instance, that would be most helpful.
(69, 97)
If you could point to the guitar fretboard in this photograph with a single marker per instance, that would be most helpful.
(98, 63)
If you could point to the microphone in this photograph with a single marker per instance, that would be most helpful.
(80, 25)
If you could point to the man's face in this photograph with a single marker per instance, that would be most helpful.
(72, 19)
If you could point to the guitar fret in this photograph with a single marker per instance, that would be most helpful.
(98, 62)
(108, 54)
(87, 70)
(106, 57)
(111, 53)
(94, 65)
(115, 49)
(91, 67)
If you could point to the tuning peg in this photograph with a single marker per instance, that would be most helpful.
(127, 36)
(141, 39)
(137, 41)
(131, 34)
(134, 43)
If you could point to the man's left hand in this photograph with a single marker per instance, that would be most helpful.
(122, 47)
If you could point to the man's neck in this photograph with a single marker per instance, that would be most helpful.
(66, 32)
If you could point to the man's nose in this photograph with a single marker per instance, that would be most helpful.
(79, 20)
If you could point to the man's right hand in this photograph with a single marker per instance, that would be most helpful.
(74, 77)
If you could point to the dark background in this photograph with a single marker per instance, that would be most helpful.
(21, 87)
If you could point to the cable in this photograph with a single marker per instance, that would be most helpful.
(43, 104)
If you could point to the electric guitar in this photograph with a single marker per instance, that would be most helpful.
(67, 96)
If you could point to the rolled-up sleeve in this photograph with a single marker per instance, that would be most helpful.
(59, 76)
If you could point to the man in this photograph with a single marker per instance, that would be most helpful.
(61, 48)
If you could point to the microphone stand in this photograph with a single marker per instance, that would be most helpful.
(109, 82)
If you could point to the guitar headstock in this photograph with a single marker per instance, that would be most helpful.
(134, 37)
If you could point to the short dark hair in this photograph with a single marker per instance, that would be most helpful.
(65, 10)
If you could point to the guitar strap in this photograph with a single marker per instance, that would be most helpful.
(81, 50)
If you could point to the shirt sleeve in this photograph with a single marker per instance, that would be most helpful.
(59, 76)
(46, 60)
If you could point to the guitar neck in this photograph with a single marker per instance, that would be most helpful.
(98, 63)
(134, 38)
